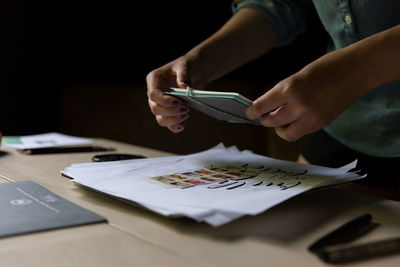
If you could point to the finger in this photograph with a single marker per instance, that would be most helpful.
(268, 102)
(281, 116)
(157, 109)
(288, 133)
(167, 121)
(183, 80)
(176, 128)
(162, 99)
(162, 79)
(157, 84)
(297, 129)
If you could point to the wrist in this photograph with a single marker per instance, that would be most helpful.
(343, 70)
(203, 65)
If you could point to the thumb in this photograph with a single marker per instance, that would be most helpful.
(183, 80)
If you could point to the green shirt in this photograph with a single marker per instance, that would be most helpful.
(372, 124)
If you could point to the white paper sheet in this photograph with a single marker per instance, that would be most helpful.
(270, 183)
(46, 140)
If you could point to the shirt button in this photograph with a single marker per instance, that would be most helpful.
(348, 19)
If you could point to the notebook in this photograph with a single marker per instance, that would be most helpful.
(226, 106)
(27, 207)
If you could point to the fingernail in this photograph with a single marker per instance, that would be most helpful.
(182, 110)
(175, 103)
(184, 82)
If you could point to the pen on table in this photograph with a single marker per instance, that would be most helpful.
(347, 231)
(52, 150)
(362, 251)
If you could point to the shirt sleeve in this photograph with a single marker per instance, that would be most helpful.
(287, 16)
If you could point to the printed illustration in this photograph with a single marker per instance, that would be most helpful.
(205, 176)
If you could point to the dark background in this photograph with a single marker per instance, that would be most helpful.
(79, 67)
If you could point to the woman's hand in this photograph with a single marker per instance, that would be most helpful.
(247, 35)
(312, 98)
(169, 111)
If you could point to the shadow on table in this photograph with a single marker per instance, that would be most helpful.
(285, 222)
(3, 153)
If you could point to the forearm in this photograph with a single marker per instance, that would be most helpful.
(247, 35)
(364, 65)
(379, 57)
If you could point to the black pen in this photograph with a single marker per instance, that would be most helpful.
(345, 232)
(72, 149)
(362, 251)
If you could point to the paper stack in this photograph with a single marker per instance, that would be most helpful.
(215, 186)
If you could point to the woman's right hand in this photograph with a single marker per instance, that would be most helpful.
(247, 35)
(169, 111)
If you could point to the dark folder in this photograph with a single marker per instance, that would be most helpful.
(27, 207)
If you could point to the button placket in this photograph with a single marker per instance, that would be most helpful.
(348, 20)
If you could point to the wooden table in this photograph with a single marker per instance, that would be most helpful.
(136, 237)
